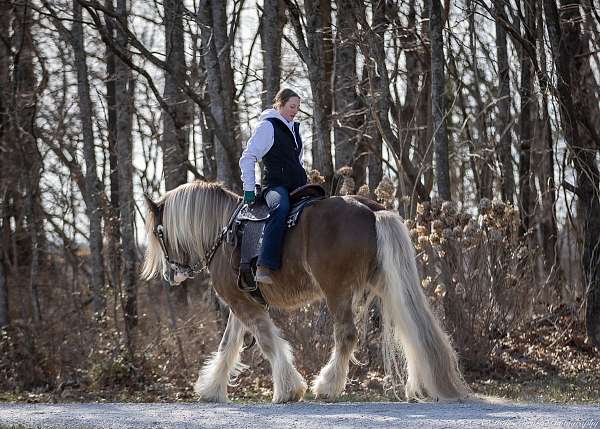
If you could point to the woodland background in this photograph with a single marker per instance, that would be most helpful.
(478, 120)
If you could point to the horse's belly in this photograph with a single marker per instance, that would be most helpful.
(290, 291)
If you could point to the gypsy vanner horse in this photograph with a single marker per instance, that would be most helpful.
(342, 246)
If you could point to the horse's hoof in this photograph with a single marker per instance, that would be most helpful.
(294, 396)
(205, 394)
(327, 391)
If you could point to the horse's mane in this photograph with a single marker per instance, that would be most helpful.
(193, 214)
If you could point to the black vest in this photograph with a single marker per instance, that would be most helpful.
(282, 163)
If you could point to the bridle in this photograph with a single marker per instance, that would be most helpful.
(190, 271)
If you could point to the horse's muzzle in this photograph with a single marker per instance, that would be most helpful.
(174, 276)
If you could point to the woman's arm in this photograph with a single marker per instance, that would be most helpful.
(258, 145)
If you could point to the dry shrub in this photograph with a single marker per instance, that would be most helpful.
(477, 271)
(68, 355)
(348, 183)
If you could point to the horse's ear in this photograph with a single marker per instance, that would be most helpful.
(152, 206)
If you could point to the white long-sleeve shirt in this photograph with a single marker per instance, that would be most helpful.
(259, 144)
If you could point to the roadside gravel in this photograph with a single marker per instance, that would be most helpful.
(306, 415)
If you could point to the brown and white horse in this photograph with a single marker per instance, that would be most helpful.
(342, 246)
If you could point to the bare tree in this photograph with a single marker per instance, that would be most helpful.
(483, 163)
(220, 87)
(548, 228)
(174, 140)
(272, 23)
(504, 100)
(526, 203)
(5, 54)
(347, 115)
(313, 51)
(416, 112)
(569, 52)
(438, 104)
(91, 197)
(112, 221)
(124, 91)
(24, 108)
(380, 100)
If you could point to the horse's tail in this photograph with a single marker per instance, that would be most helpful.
(415, 348)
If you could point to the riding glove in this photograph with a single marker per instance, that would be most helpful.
(249, 197)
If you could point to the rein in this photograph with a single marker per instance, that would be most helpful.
(202, 265)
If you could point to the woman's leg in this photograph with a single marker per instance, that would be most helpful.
(278, 200)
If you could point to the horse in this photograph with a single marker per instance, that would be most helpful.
(343, 246)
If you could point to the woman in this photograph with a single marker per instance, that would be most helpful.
(276, 141)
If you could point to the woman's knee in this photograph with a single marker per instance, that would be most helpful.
(280, 203)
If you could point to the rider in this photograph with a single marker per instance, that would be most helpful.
(277, 142)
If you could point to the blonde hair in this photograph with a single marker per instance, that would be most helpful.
(283, 96)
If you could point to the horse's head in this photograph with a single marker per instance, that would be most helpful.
(181, 227)
(157, 259)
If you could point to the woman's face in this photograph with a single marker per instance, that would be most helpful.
(290, 108)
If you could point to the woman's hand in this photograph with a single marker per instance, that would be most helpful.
(249, 197)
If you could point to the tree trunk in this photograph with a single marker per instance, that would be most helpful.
(416, 112)
(174, 142)
(217, 57)
(5, 84)
(483, 160)
(4, 318)
(548, 226)
(313, 49)
(25, 134)
(346, 112)
(123, 89)
(372, 140)
(504, 121)
(526, 122)
(438, 104)
(111, 113)
(273, 21)
(565, 41)
(209, 165)
(91, 197)
(198, 78)
(112, 221)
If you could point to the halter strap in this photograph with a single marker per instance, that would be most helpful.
(191, 270)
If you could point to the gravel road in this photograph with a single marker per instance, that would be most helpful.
(304, 415)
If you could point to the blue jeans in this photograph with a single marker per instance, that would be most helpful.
(278, 200)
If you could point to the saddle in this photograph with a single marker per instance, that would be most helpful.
(247, 232)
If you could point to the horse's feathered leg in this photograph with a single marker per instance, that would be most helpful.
(331, 381)
(288, 384)
(224, 365)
